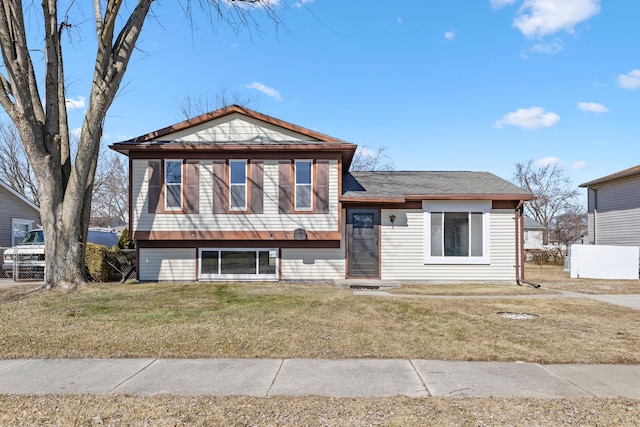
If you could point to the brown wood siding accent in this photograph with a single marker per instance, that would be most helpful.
(233, 235)
(155, 186)
(254, 152)
(219, 186)
(253, 244)
(322, 186)
(285, 187)
(363, 205)
(504, 204)
(256, 182)
(192, 191)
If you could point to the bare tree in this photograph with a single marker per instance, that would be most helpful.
(15, 169)
(191, 106)
(555, 193)
(366, 159)
(569, 227)
(39, 111)
(110, 201)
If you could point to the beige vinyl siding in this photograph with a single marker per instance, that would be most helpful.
(12, 208)
(618, 213)
(591, 200)
(167, 264)
(270, 220)
(234, 128)
(313, 264)
(402, 251)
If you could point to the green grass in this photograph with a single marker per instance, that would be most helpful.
(274, 320)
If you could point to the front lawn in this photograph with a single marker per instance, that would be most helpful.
(275, 320)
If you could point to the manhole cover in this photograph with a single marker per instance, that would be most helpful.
(516, 316)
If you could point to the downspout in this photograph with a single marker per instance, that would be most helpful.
(595, 216)
(519, 220)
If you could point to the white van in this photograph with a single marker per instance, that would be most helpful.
(29, 253)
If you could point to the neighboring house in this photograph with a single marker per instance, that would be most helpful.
(17, 216)
(613, 209)
(238, 195)
(533, 234)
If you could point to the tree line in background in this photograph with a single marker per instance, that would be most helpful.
(557, 205)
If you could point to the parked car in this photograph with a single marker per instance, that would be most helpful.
(29, 253)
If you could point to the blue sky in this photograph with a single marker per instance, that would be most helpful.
(444, 84)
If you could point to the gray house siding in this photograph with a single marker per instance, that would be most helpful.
(614, 212)
(12, 207)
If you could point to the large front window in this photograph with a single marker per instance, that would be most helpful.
(237, 185)
(242, 264)
(457, 233)
(304, 185)
(173, 185)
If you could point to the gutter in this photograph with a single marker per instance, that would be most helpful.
(519, 220)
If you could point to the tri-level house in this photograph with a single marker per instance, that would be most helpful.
(237, 195)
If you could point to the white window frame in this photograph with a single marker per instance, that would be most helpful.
(19, 221)
(166, 185)
(246, 277)
(296, 185)
(481, 206)
(231, 185)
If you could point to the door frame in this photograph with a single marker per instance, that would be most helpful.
(349, 228)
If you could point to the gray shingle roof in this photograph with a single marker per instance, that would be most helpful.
(398, 184)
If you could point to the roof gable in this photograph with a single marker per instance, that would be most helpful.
(635, 170)
(233, 119)
(20, 197)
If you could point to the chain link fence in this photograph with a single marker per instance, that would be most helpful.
(23, 264)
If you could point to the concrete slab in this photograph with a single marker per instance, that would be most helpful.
(603, 380)
(624, 300)
(6, 364)
(66, 376)
(218, 377)
(348, 378)
(486, 379)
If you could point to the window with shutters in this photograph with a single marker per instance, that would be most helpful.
(173, 185)
(238, 185)
(303, 185)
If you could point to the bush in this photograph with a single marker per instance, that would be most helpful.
(125, 242)
(549, 255)
(100, 262)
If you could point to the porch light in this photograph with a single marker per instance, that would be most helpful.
(392, 218)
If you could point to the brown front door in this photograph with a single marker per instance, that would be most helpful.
(363, 243)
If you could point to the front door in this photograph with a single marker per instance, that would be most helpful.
(363, 243)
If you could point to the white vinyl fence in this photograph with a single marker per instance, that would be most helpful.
(604, 262)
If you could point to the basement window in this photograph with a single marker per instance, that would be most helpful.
(238, 264)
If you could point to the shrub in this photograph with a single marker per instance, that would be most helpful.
(100, 262)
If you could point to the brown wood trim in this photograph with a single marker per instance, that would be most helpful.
(224, 244)
(322, 187)
(206, 153)
(362, 205)
(130, 200)
(285, 186)
(504, 204)
(218, 168)
(233, 235)
(154, 190)
(488, 196)
(256, 187)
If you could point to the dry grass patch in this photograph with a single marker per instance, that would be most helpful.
(469, 290)
(553, 278)
(267, 320)
(117, 410)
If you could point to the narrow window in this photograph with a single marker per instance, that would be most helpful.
(238, 185)
(303, 199)
(173, 185)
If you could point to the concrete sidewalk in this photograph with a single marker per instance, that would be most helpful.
(336, 378)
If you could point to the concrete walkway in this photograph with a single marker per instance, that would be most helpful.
(336, 378)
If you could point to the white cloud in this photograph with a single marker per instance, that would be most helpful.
(631, 80)
(544, 17)
(75, 132)
(579, 165)
(302, 3)
(547, 48)
(592, 107)
(548, 161)
(498, 4)
(529, 118)
(399, 20)
(74, 104)
(271, 92)
(450, 35)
